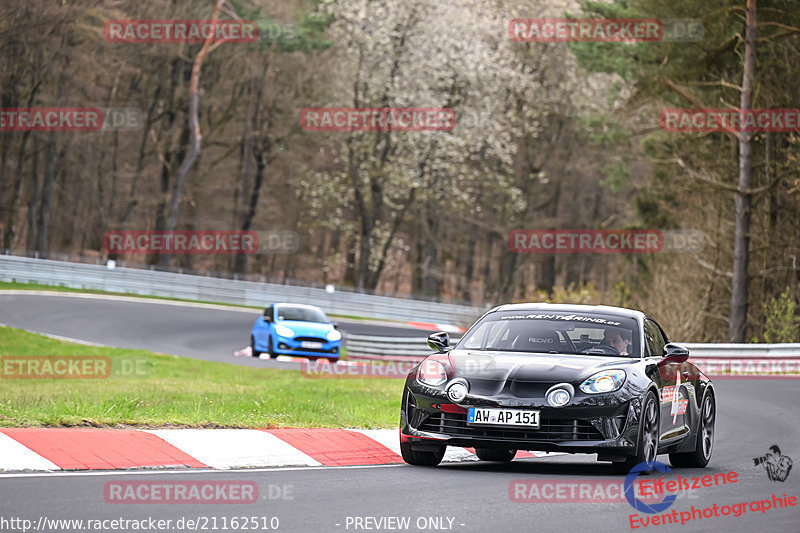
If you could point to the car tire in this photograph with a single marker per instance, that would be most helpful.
(705, 438)
(421, 457)
(495, 454)
(647, 446)
(271, 349)
(333, 360)
(255, 353)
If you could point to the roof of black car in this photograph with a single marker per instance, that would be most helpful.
(572, 308)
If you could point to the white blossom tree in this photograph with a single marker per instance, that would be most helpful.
(424, 53)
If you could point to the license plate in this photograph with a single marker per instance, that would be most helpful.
(310, 344)
(503, 417)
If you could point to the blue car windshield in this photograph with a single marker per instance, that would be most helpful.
(301, 314)
(554, 332)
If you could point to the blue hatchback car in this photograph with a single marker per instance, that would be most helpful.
(295, 329)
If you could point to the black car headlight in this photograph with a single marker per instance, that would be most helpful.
(605, 381)
(432, 373)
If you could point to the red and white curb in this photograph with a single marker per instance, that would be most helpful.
(430, 326)
(49, 449)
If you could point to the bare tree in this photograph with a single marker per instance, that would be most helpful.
(741, 243)
(194, 126)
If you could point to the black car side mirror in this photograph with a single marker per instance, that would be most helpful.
(439, 341)
(676, 352)
(268, 315)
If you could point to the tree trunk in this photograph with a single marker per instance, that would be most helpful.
(350, 261)
(374, 276)
(469, 273)
(247, 223)
(13, 204)
(5, 144)
(48, 184)
(431, 282)
(133, 199)
(254, 133)
(194, 126)
(738, 321)
(33, 196)
(167, 161)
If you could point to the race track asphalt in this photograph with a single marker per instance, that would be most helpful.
(211, 333)
(752, 416)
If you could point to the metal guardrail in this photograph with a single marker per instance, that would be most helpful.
(400, 348)
(209, 289)
(206, 288)
(414, 349)
(742, 350)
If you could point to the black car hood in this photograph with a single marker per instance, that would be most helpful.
(480, 366)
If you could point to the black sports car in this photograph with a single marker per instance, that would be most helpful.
(566, 378)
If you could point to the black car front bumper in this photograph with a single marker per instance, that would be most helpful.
(609, 428)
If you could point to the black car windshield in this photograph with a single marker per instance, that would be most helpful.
(302, 314)
(554, 332)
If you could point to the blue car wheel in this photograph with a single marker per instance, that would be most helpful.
(255, 352)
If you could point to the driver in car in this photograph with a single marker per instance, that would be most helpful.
(618, 339)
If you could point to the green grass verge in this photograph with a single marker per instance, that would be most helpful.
(146, 389)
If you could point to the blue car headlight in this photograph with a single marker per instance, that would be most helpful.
(283, 331)
(605, 381)
(333, 336)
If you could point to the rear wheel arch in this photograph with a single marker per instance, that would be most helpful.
(703, 443)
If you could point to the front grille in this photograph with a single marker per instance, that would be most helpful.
(311, 350)
(455, 424)
(311, 339)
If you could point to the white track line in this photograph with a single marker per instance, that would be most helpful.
(172, 471)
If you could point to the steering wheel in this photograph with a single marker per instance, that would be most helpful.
(601, 349)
